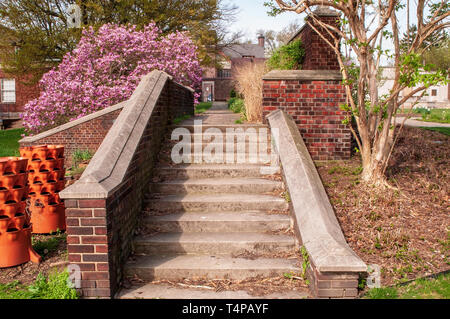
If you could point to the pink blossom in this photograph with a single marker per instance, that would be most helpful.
(105, 69)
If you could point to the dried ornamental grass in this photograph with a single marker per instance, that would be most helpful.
(248, 78)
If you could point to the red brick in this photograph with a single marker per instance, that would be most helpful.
(92, 203)
(102, 267)
(73, 249)
(80, 230)
(79, 213)
(94, 240)
(88, 275)
(95, 257)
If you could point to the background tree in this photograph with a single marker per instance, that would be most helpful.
(38, 28)
(105, 68)
(365, 24)
(275, 39)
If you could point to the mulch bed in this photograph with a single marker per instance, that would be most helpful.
(26, 274)
(406, 229)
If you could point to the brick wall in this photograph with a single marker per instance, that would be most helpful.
(86, 136)
(24, 93)
(315, 107)
(332, 285)
(101, 231)
(318, 54)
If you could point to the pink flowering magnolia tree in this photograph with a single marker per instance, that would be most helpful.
(105, 69)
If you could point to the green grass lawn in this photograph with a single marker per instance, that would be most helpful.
(434, 115)
(443, 130)
(434, 288)
(202, 107)
(9, 142)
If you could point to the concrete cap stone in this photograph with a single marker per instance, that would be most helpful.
(318, 226)
(304, 75)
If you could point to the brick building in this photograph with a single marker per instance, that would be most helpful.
(218, 82)
(14, 94)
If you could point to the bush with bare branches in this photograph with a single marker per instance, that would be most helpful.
(248, 81)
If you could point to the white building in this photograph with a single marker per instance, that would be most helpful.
(435, 97)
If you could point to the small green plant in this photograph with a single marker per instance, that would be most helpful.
(80, 156)
(287, 57)
(305, 261)
(54, 287)
(238, 121)
(203, 107)
(180, 119)
(44, 247)
(287, 196)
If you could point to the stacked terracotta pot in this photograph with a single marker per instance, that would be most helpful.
(15, 226)
(46, 179)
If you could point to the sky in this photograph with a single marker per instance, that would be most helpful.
(253, 16)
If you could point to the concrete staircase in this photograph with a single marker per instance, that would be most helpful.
(212, 221)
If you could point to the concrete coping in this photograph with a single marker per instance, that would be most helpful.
(107, 169)
(304, 75)
(84, 119)
(315, 220)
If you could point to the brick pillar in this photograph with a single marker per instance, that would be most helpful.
(318, 54)
(313, 99)
(88, 247)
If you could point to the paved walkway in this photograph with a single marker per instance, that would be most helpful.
(415, 123)
(218, 114)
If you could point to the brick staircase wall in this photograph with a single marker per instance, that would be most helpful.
(103, 207)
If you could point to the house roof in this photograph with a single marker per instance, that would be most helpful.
(244, 50)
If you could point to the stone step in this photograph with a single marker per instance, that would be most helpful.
(237, 137)
(218, 186)
(217, 222)
(213, 243)
(216, 202)
(224, 158)
(173, 268)
(244, 128)
(216, 171)
(236, 147)
(164, 291)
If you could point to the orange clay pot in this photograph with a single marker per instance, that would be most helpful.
(48, 219)
(55, 151)
(34, 165)
(22, 180)
(60, 162)
(36, 188)
(5, 195)
(39, 152)
(3, 165)
(26, 152)
(15, 247)
(8, 181)
(16, 165)
(46, 178)
(10, 209)
(17, 193)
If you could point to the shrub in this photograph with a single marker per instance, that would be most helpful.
(237, 106)
(249, 84)
(287, 57)
(105, 69)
